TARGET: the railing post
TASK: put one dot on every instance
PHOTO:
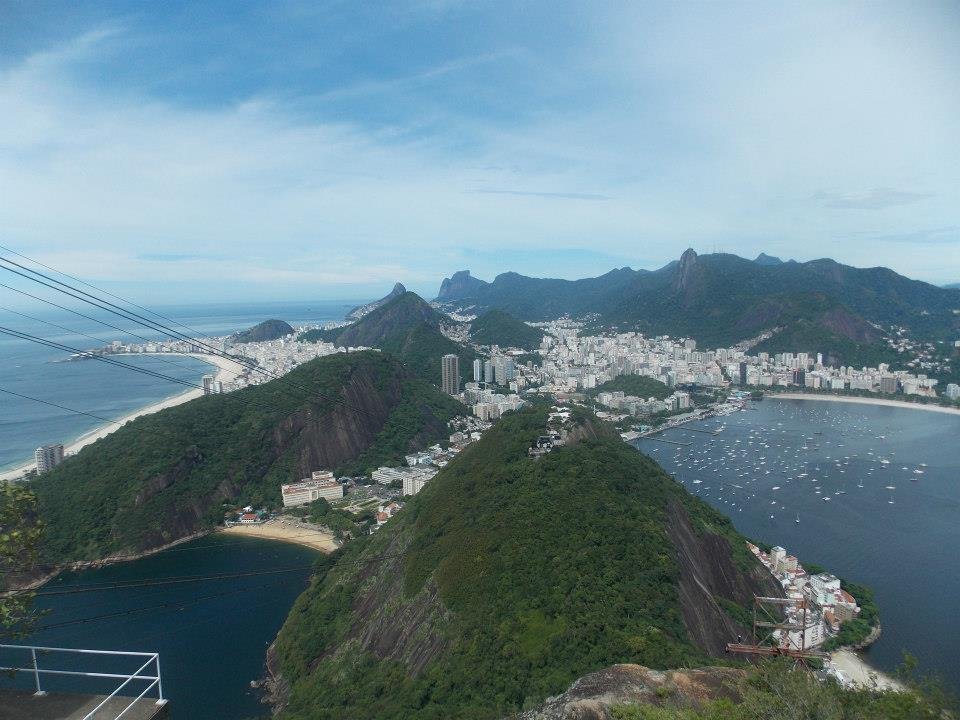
(160, 700)
(36, 672)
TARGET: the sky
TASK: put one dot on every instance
(189, 152)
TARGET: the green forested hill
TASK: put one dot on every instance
(262, 332)
(496, 327)
(166, 475)
(506, 577)
(637, 385)
(406, 327)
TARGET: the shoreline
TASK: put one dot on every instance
(858, 673)
(226, 370)
(882, 402)
(289, 532)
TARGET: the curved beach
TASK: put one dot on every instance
(930, 407)
(285, 531)
(227, 370)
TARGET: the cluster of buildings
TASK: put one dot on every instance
(820, 600)
(574, 363)
(558, 423)
(677, 401)
(803, 370)
(273, 357)
(247, 516)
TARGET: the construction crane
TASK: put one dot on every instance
(768, 623)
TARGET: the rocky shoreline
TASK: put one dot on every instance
(34, 582)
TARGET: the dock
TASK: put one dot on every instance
(698, 430)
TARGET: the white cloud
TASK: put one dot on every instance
(747, 127)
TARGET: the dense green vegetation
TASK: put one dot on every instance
(165, 475)
(776, 691)
(20, 532)
(514, 576)
(637, 385)
(496, 327)
(267, 330)
(408, 328)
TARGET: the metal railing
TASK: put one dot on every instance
(153, 681)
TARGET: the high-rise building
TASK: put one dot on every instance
(888, 384)
(478, 370)
(48, 457)
(953, 391)
(450, 374)
(743, 373)
(488, 371)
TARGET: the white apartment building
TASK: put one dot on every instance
(48, 457)
(321, 484)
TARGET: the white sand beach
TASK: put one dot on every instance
(286, 531)
(865, 401)
(857, 672)
(227, 370)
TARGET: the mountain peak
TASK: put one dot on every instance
(764, 259)
(361, 310)
(459, 285)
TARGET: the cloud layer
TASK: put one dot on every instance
(344, 153)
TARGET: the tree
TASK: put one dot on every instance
(19, 535)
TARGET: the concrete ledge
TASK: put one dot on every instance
(24, 705)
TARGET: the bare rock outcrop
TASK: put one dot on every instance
(593, 696)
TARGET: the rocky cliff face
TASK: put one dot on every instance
(461, 284)
(708, 571)
(594, 696)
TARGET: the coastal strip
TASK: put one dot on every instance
(227, 370)
(865, 401)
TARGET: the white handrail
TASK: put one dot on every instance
(122, 686)
(153, 680)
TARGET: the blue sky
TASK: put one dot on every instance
(234, 151)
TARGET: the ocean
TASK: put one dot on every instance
(877, 495)
(103, 390)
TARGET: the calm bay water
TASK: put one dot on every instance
(101, 389)
(892, 520)
(211, 636)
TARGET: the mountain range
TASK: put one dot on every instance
(722, 299)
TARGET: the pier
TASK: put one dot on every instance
(664, 440)
(697, 430)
